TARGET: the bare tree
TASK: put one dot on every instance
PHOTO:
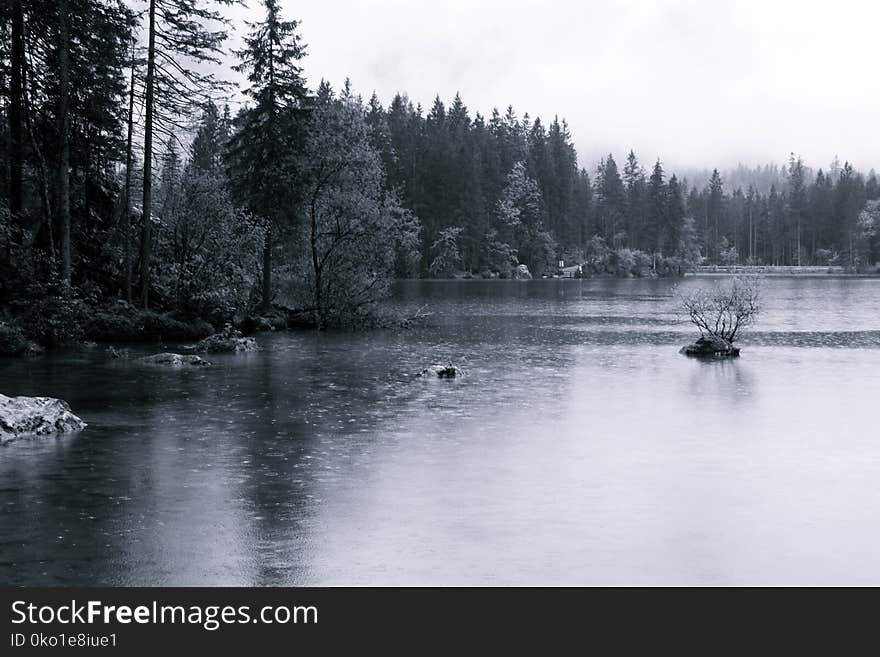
(724, 310)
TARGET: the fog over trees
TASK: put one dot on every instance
(126, 177)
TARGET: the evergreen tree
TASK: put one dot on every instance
(71, 88)
(269, 134)
(657, 202)
(796, 197)
(634, 182)
(673, 215)
(208, 147)
(610, 201)
(522, 215)
(714, 209)
(872, 186)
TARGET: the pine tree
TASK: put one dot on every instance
(269, 134)
(129, 162)
(796, 197)
(558, 185)
(674, 215)
(72, 85)
(872, 186)
(656, 205)
(610, 200)
(634, 181)
(714, 209)
(751, 233)
(208, 147)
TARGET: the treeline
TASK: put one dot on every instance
(134, 203)
(453, 170)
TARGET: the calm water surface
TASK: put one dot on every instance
(580, 448)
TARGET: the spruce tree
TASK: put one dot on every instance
(610, 199)
(714, 209)
(634, 182)
(657, 206)
(673, 215)
(268, 134)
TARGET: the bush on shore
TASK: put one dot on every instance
(13, 341)
(121, 322)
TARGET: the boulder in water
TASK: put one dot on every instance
(710, 346)
(448, 371)
(35, 416)
(175, 360)
(522, 273)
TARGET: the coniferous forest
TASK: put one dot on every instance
(136, 203)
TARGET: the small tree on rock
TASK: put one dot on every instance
(724, 311)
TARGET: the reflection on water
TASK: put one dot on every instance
(579, 448)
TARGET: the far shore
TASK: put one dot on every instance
(810, 271)
(781, 270)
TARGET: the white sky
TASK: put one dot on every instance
(698, 83)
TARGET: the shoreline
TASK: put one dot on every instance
(782, 272)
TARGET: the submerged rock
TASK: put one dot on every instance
(449, 371)
(174, 359)
(35, 416)
(710, 346)
(522, 272)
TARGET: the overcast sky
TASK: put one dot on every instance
(698, 83)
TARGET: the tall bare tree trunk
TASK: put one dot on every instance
(64, 133)
(126, 223)
(267, 245)
(16, 129)
(267, 270)
(148, 161)
(46, 214)
(316, 265)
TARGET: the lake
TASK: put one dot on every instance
(579, 448)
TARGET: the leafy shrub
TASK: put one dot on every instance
(109, 325)
(164, 327)
(122, 323)
(12, 340)
(643, 263)
(622, 262)
(55, 320)
(207, 252)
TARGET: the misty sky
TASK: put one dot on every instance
(698, 83)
